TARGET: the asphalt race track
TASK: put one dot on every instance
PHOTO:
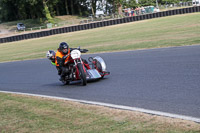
(165, 79)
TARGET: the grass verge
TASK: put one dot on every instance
(30, 23)
(33, 114)
(176, 30)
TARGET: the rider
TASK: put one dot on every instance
(62, 59)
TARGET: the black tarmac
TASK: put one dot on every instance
(165, 79)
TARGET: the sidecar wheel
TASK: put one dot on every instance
(98, 66)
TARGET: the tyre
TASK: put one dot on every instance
(82, 74)
(98, 66)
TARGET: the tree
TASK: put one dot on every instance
(66, 7)
(117, 5)
(46, 11)
(147, 2)
(132, 4)
(72, 7)
(9, 11)
(169, 1)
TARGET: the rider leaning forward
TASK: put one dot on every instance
(61, 59)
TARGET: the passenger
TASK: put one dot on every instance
(51, 56)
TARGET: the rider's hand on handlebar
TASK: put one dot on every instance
(66, 62)
(64, 57)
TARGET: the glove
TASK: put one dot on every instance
(64, 57)
(66, 63)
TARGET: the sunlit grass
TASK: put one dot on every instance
(33, 114)
(176, 30)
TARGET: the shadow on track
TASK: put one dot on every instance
(74, 83)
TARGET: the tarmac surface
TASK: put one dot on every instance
(164, 79)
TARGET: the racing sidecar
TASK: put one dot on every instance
(80, 69)
(97, 69)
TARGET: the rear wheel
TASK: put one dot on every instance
(82, 74)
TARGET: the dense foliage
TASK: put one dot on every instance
(39, 9)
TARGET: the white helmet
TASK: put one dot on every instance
(50, 54)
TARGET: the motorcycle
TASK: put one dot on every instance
(81, 70)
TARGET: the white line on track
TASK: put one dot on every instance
(115, 106)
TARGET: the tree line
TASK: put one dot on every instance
(11, 10)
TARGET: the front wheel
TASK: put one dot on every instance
(82, 74)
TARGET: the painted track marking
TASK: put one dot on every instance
(114, 106)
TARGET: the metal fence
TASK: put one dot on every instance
(98, 24)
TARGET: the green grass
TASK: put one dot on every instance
(39, 22)
(32, 114)
(163, 8)
(29, 23)
(35, 24)
(170, 31)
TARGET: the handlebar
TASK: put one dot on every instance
(81, 50)
(84, 50)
